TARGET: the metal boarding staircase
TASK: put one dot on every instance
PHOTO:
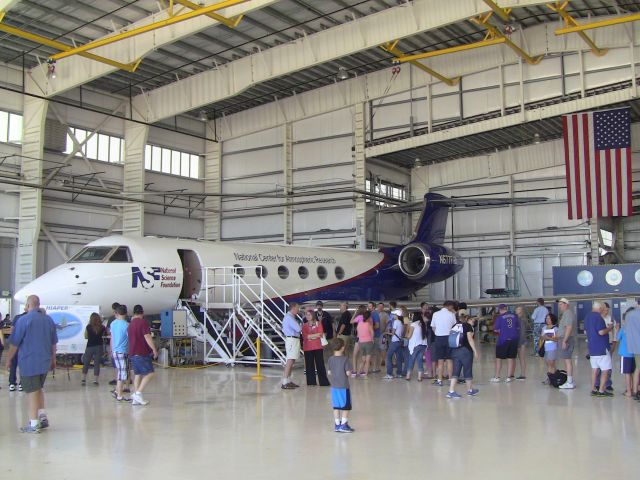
(236, 310)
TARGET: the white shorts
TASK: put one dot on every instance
(603, 362)
(292, 346)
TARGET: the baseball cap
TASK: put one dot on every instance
(501, 306)
(319, 303)
(463, 312)
(397, 312)
(564, 300)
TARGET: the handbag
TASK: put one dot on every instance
(541, 350)
(323, 341)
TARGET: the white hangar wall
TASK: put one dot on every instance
(323, 183)
(515, 246)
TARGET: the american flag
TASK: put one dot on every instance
(597, 153)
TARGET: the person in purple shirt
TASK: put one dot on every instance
(507, 327)
(600, 355)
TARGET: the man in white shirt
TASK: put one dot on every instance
(441, 323)
(539, 316)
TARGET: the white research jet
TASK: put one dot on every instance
(158, 272)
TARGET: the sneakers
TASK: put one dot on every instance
(294, 385)
(123, 399)
(345, 428)
(354, 375)
(521, 377)
(606, 393)
(287, 386)
(388, 377)
(595, 393)
(437, 383)
(495, 380)
(473, 392)
(509, 379)
(19, 387)
(337, 428)
(83, 382)
(43, 422)
(138, 399)
(567, 386)
(453, 395)
(462, 381)
(30, 429)
(113, 382)
(12, 387)
(609, 388)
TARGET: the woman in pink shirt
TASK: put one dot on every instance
(365, 341)
(313, 350)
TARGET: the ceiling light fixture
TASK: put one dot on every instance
(342, 73)
(203, 116)
(536, 138)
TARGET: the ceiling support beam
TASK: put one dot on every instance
(603, 23)
(503, 13)
(147, 28)
(129, 67)
(560, 9)
(392, 48)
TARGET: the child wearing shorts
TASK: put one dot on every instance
(340, 369)
(627, 363)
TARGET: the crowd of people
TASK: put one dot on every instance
(442, 342)
(32, 352)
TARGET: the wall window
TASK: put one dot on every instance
(385, 189)
(10, 127)
(105, 148)
(174, 162)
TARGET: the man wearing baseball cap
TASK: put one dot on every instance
(567, 330)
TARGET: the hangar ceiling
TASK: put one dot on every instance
(76, 22)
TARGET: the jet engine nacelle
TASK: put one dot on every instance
(428, 263)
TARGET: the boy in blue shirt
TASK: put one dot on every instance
(627, 362)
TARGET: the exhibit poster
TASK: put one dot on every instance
(71, 321)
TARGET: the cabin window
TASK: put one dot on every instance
(121, 255)
(283, 272)
(339, 273)
(261, 271)
(322, 273)
(239, 270)
(92, 254)
(303, 272)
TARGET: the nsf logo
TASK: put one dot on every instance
(144, 277)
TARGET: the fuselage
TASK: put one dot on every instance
(157, 272)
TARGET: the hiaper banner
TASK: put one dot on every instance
(71, 322)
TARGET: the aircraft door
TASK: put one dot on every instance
(192, 274)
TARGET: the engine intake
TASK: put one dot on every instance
(414, 260)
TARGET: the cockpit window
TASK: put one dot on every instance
(92, 254)
(121, 255)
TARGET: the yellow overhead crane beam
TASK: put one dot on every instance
(494, 33)
(392, 47)
(602, 23)
(503, 13)
(129, 67)
(560, 9)
(446, 51)
(147, 28)
(229, 22)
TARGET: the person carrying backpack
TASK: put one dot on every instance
(463, 352)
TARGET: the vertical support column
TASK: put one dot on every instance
(595, 241)
(511, 268)
(213, 185)
(522, 93)
(135, 139)
(287, 166)
(632, 63)
(30, 212)
(618, 237)
(502, 97)
(360, 175)
(581, 66)
(429, 109)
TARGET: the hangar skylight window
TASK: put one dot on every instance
(10, 127)
(385, 189)
(106, 148)
(173, 162)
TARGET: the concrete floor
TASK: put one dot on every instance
(218, 423)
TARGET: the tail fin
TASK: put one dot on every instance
(432, 224)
